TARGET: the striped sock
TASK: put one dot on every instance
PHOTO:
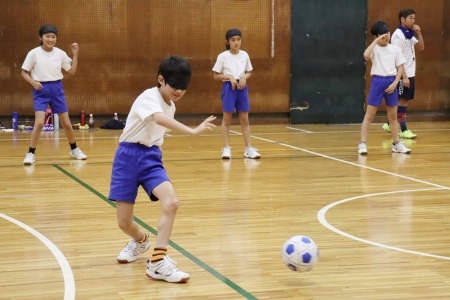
(158, 254)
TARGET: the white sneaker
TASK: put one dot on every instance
(362, 148)
(30, 158)
(132, 250)
(226, 153)
(166, 270)
(251, 152)
(400, 148)
(78, 154)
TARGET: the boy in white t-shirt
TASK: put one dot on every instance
(138, 162)
(404, 37)
(42, 69)
(233, 68)
(387, 68)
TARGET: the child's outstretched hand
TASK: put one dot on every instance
(205, 125)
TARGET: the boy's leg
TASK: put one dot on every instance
(391, 112)
(67, 126)
(226, 123)
(161, 267)
(140, 241)
(397, 146)
(166, 195)
(245, 126)
(75, 152)
(371, 112)
(39, 119)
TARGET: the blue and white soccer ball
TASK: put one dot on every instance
(300, 253)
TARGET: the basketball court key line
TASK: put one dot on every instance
(174, 245)
(69, 282)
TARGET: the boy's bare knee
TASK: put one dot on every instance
(171, 204)
(125, 225)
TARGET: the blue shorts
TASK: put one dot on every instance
(51, 94)
(377, 93)
(234, 100)
(136, 165)
(407, 92)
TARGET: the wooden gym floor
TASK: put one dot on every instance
(381, 221)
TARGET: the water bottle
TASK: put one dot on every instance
(91, 121)
(56, 121)
(48, 117)
(116, 117)
(82, 118)
(15, 121)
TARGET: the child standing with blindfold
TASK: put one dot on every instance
(138, 162)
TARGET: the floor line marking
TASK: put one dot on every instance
(322, 219)
(69, 282)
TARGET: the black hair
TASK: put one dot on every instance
(230, 33)
(176, 72)
(46, 28)
(404, 13)
(378, 28)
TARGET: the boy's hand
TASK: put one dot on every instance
(406, 82)
(416, 28)
(75, 49)
(205, 125)
(384, 38)
(242, 83)
(391, 88)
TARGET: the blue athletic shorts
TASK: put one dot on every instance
(51, 94)
(376, 93)
(136, 165)
(234, 100)
(407, 92)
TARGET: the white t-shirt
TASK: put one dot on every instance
(140, 127)
(47, 66)
(235, 65)
(385, 60)
(407, 47)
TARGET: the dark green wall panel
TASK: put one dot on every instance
(327, 65)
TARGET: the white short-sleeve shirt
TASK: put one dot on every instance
(407, 47)
(140, 127)
(385, 60)
(47, 66)
(235, 65)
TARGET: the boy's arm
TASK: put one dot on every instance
(73, 69)
(173, 124)
(26, 75)
(421, 44)
(391, 88)
(369, 50)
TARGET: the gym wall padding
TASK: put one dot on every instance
(327, 64)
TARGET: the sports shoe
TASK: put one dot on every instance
(251, 152)
(132, 250)
(226, 153)
(407, 134)
(362, 148)
(166, 270)
(386, 127)
(30, 158)
(400, 148)
(78, 154)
